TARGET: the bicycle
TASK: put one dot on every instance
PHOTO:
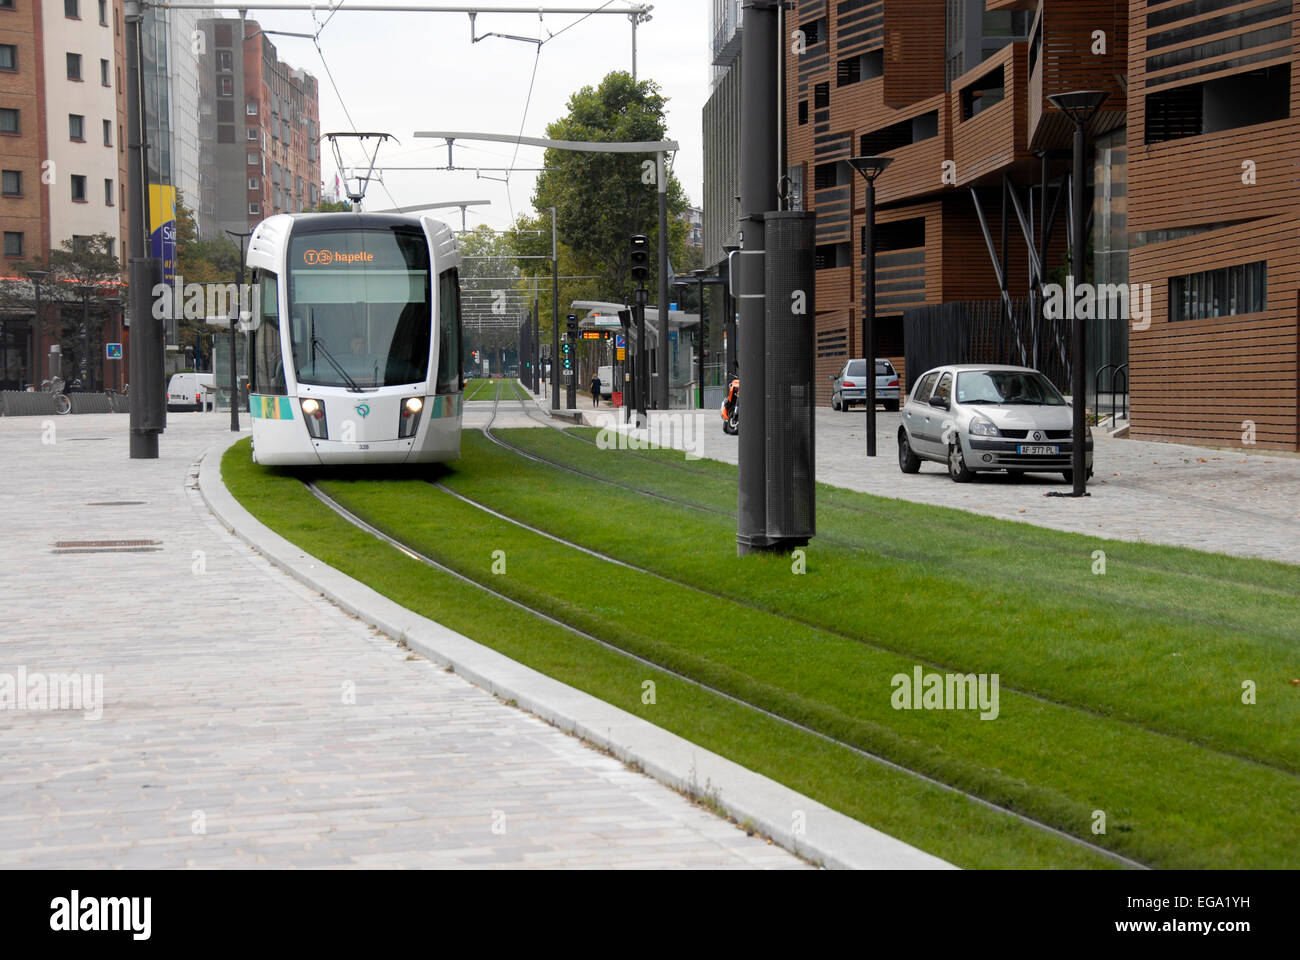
(55, 386)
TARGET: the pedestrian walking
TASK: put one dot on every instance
(595, 390)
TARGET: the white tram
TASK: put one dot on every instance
(355, 353)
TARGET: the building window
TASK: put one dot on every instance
(13, 244)
(983, 93)
(8, 56)
(814, 32)
(254, 183)
(252, 134)
(250, 109)
(103, 13)
(78, 188)
(6, 4)
(254, 208)
(74, 66)
(11, 183)
(1243, 99)
(72, 9)
(227, 86)
(803, 113)
(822, 96)
(108, 193)
(8, 120)
(76, 127)
(108, 133)
(225, 133)
(1219, 293)
(103, 73)
(253, 160)
(225, 61)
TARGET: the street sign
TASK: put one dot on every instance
(622, 354)
(620, 341)
(113, 351)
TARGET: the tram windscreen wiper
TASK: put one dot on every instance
(316, 342)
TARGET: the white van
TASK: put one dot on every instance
(185, 390)
(606, 374)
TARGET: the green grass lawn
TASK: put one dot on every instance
(482, 389)
(1120, 693)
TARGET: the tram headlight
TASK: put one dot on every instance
(409, 421)
(313, 414)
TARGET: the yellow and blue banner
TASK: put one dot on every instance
(162, 226)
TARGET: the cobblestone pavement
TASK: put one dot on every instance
(247, 722)
(1225, 501)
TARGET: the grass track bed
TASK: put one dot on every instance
(1170, 802)
(946, 824)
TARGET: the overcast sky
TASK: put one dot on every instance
(402, 72)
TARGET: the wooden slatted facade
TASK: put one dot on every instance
(1202, 198)
(1210, 93)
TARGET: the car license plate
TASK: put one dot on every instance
(1031, 450)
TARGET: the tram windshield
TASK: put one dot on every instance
(359, 303)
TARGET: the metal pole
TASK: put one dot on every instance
(148, 410)
(35, 373)
(758, 188)
(641, 374)
(635, 20)
(85, 340)
(869, 316)
(699, 353)
(555, 314)
(665, 367)
(1079, 338)
(537, 343)
(234, 351)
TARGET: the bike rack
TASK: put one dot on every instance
(1120, 370)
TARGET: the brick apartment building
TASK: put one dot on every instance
(62, 154)
(1191, 185)
(259, 129)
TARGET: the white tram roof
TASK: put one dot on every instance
(265, 247)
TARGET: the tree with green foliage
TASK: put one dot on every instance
(200, 261)
(602, 199)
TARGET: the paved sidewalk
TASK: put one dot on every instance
(227, 737)
(1225, 501)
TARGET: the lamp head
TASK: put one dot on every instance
(869, 167)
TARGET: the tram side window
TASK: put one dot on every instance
(449, 358)
(268, 367)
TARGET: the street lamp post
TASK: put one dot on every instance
(85, 289)
(1080, 106)
(870, 168)
(33, 372)
(234, 324)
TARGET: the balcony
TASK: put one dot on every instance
(987, 110)
(918, 145)
(726, 40)
(1065, 54)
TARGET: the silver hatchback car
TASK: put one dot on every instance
(976, 418)
(849, 386)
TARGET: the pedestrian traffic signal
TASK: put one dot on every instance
(566, 350)
(640, 258)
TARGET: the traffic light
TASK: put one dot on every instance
(640, 258)
(566, 351)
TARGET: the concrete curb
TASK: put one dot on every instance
(828, 838)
